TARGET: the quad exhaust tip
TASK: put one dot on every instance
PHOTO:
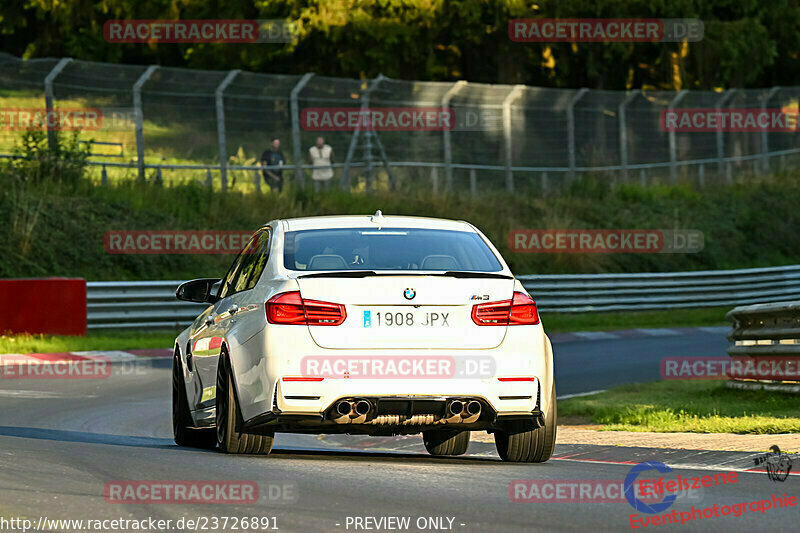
(344, 407)
(455, 407)
(357, 408)
(362, 407)
(464, 408)
(353, 408)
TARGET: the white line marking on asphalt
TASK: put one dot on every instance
(658, 331)
(675, 465)
(112, 355)
(715, 329)
(595, 335)
(35, 394)
(579, 394)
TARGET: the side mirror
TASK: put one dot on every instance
(198, 291)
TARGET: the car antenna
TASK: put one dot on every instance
(377, 218)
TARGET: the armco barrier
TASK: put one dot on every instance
(44, 305)
(765, 330)
(575, 293)
(146, 304)
(137, 304)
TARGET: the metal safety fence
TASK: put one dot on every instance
(770, 332)
(152, 304)
(511, 137)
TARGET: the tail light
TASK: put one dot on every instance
(519, 311)
(291, 308)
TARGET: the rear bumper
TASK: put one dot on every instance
(315, 397)
(269, 422)
(399, 406)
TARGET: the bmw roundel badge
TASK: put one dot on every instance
(409, 294)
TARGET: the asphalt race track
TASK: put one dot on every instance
(62, 440)
(589, 365)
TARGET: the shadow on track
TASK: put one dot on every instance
(482, 453)
(382, 456)
(283, 453)
(84, 436)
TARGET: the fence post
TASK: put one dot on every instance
(257, 181)
(642, 178)
(435, 180)
(223, 153)
(49, 97)
(209, 179)
(764, 132)
(104, 176)
(673, 150)
(720, 138)
(701, 175)
(364, 120)
(448, 154)
(299, 177)
(571, 130)
(623, 134)
(544, 181)
(513, 95)
(139, 117)
(473, 183)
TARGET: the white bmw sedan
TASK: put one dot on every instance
(376, 325)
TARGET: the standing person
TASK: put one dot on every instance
(322, 159)
(273, 177)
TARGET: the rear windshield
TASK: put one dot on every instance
(387, 249)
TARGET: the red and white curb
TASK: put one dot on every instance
(61, 358)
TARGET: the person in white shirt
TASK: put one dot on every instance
(322, 158)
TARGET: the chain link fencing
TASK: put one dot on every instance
(168, 123)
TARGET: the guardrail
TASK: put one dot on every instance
(766, 331)
(137, 304)
(151, 304)
(582, 293)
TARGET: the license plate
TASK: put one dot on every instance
(408, 318)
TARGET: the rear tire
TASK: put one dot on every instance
(517, 444)
(229, 436)
(445, 442)
(182, 424)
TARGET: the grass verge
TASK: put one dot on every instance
(107, 340)
(673, 318)
(687, 406)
